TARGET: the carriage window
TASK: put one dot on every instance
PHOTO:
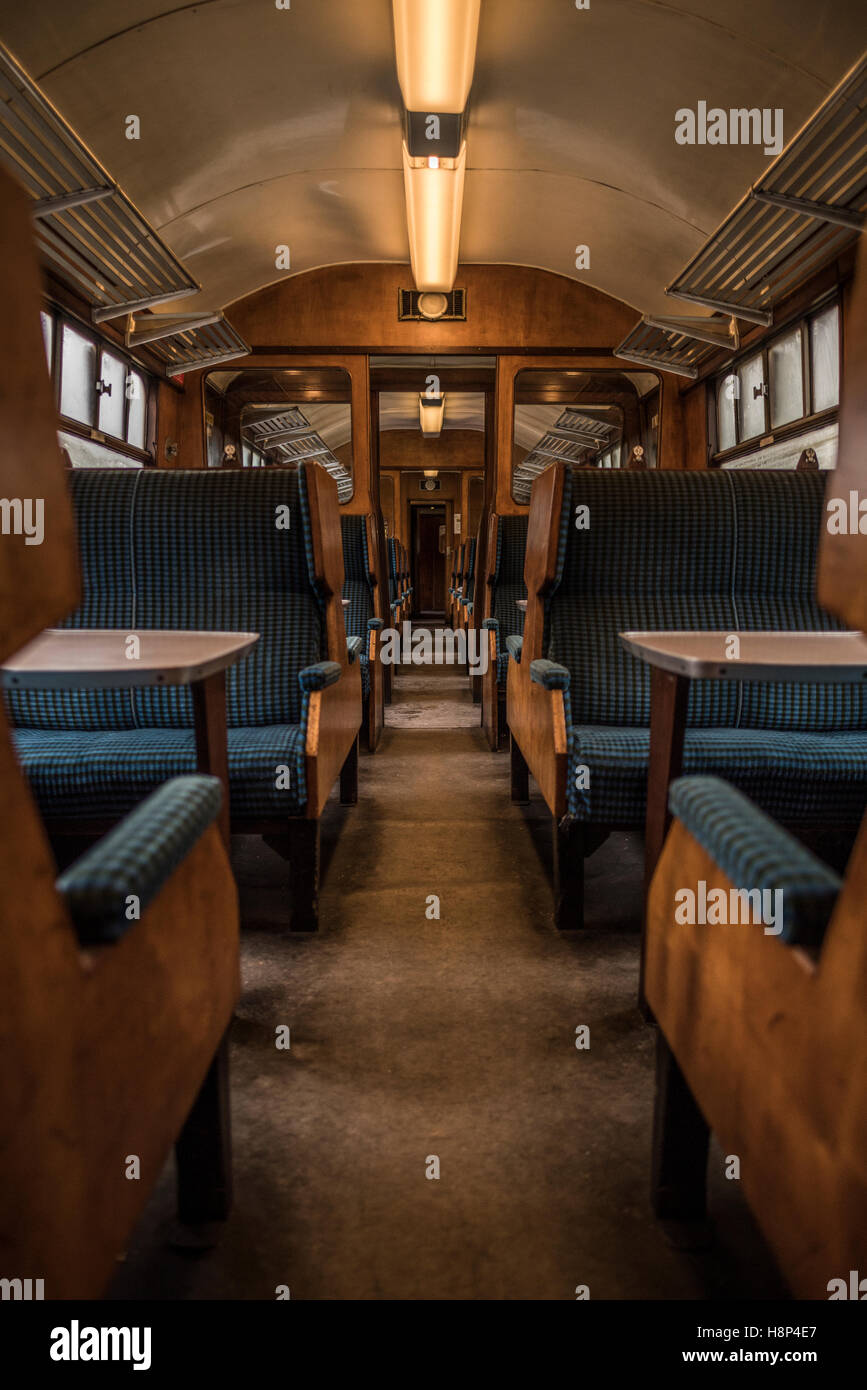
(751, 397)
(101, 396)
(786, 362)
(596, 419)
(77, 376)
(136, 392)
(273, 417)
(47, 336)
(825, 358)
(793, 378)
(726, 408)
(111, 388)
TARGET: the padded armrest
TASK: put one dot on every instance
(354, 646)
(492, 624)
(374, 624)
(319, 676)
(755, 852)
(549, 674)
(137, 857)
(515, 645)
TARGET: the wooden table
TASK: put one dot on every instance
(676, 658)
(108, 659)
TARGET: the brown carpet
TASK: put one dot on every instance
(455, 1038)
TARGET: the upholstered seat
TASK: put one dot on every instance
(107, 775)
(691, 551)
(809, 779)
(185, 550)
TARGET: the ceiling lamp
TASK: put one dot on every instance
(434, 201)
(431, 411)
(435, 42)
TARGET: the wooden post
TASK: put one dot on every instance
(304, 855)
(209, 714)
(204, 1148)
(569, 849)
(681, 1139)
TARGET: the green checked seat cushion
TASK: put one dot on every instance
(225, 550)
(801, 779)
(691, 551)
(106, 774)
(508, 586)
(357, 588)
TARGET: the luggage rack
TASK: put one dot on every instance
(94, 238)
(678, 345)
(294, 438)
(569, 437)
(806, 208)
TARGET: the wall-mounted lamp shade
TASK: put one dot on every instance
(431, 472)
(434, 200)
(431, 412)
(435, 41)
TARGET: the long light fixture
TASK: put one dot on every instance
(434, 203)
(431, 413)
(435, 43)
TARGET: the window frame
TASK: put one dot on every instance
(813, 419)
(60, 319)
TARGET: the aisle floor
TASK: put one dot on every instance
(414, 1037)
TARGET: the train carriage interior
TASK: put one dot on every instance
(433, 576)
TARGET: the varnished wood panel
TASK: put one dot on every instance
(32, 468)
(842, 577)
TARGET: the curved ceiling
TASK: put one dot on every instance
(262, 127)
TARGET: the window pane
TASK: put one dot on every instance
(78, 376)
(47, 335)
(135, 427)
(246, 456)
(726, 396)
(750, 405)
(825, 358)
(787, 380)
(112, 381)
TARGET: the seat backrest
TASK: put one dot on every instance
(356, 582)
(470, 576)
(687, 550)
(207, 549)
(508, 579)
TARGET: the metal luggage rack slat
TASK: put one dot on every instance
(806, 208)
(90, 234)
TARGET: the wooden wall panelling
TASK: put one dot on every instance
(842, 573)
(509, 308)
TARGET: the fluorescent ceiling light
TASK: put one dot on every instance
(435, 41)
(434, 202)
(431, 412)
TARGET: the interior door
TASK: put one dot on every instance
(430, 574)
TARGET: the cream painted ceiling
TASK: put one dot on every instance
(262, 127)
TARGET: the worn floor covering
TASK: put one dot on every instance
(452, 1038)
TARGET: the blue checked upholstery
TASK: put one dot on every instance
(137, 858)
(693, 550)
(754, 852)
(469, 575)
(184, 549)
(395, 592)
(357, 588)
(508, 586)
